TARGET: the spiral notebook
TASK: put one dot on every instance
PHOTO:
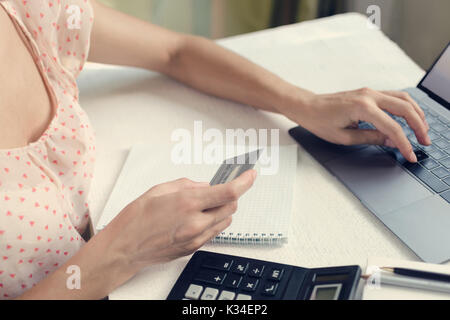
(263, 215)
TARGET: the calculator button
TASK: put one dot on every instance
(243, 297)
(193, 292)
(276, 274)
(240, 268)
(211, 276)
(270, 288)
(233, 281)
(222, 264)
(250, 285)
(210, 294)
(227, 295)
(256, 270)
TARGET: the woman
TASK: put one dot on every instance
(47, 146)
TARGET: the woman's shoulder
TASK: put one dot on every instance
(60, 29)
(37, 15)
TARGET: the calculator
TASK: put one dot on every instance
(214, 276)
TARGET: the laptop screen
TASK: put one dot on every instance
(437, 81)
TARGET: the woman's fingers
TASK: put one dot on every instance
(214, 216)
(405, 96)
(210, 233)
(174, 186)
(201, 222)
(219, 195)
(406, 110)
(385, 124)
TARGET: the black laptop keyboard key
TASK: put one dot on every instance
(421, 155)
(437, 154)
(427, 177)
(446, 162)
(446, 196)
(429, 164)
(442, 144)
(441, 172)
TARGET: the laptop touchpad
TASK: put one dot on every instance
(377, 180)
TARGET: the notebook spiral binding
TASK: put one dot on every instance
(250, 238)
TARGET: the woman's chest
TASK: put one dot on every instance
(25, 104)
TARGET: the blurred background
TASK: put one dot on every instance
(420, 27)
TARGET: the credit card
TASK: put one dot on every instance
(234, 167)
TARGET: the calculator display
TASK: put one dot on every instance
(326, 292)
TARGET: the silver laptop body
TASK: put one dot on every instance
(412, 200)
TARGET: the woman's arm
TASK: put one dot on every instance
(100, 272)
(202, 64)
(120, 39)
(171, 220)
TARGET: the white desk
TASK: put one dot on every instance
(329, 225)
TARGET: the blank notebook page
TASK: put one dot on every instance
(263, 214)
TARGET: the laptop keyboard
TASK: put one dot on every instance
(433, 167)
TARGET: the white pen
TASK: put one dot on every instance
(410, 282)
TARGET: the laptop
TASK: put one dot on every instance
(412, 200)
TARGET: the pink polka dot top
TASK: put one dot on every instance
(44, 186)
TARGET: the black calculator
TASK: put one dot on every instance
(213, 276)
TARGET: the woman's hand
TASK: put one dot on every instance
(173, 220)
(335, 118)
